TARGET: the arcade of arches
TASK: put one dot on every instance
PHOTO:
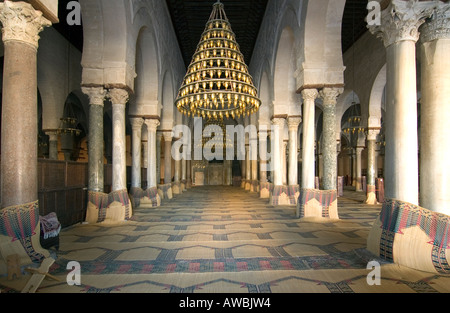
(358, 165)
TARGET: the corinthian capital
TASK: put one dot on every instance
(401, 20)
(21, 22)
(330, 95)
(118, 96)
(152, 124)
(438, 27)
(96, 95)
(310, 94)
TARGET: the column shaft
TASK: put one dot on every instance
(19, 141)
(329, 149)
(308, 149)
(435, 112)
(152, 178)
(167, 158)
(293, 123)
(119, 98)
(136, 178)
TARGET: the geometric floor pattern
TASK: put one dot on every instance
(227, 240)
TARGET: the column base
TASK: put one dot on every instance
(243, 182)
(280, 196)
(108, 208)
(145, 198)
(176, 188)
(264, 190)
(248, 185)
(294, 193)
(165, 191)
(183, 185)
(313, 203)
(411, 236)
(20, 237)
(254, 186)
(371, 195)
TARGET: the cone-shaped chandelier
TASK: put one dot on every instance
(217, 84)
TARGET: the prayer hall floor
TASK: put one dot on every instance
(227, 240)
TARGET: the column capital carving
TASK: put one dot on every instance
(294, 122)
(310, 94)
(118, 96)
(96, 95)
(330, 95)
(152, 125)
(21, 22)
(136, 123)
(279, 121)
(168, 136)
(372, 134)
(438, 27)
(401, 20)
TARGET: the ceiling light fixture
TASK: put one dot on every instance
(218, 84)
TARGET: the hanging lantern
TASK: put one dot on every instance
(218, 75)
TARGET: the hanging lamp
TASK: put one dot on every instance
(218, 84)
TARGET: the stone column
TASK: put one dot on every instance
(52, 145)
(435, 112)
(329, 149)
(248, 168)
(254, 163)
(119, 99)
(277, 140)
(136, 169)
(399, 31)
(308, 149)
(284, 156)
(21, 27)
(167, 157)
(144, 146)
(371, 166)
(158, 157)
(152, 126)
(293, 123)
(264, 186)
(95, 138)
(359, 185)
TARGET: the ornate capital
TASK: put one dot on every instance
(310, 94)
(330, 95)
(293, 123)
(118, 96)
(372, 134)
(96, 95)
(438, 27)
(152, 125)
(401, 20)
(21, 22)
(168, 136)
(136, 123)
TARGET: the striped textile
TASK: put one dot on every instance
(325, 197)
(397, 216)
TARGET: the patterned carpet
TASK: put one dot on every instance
(227, 240)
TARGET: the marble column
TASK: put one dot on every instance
(371, 166)
(359, 186)
(136, 141)
(152, 179)
(293, 123)
(158, 157)
(254, 162)
(119, 99)
(284, 156)
(21, 27)
(308, 149)
(248, 168)
(399, 32)
(435, 112)
(167, 157)
(52, 145)
(277, 140)
(95, 138)
(329, 149)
